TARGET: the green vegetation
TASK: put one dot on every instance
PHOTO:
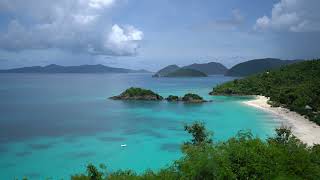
(199, 133)
(241, 157)
(208, 68)
(296, 87)
(187, 98)
(191, 96)
(205, 69)
(186, 73)
(166, 70)
(138, 94)
(172, 98)
(258, 66)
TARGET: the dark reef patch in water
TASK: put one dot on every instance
(70, 139)
(170, 147)
(175, 128)
(80, 155)
(41, 146)
(23, 153)
(112, 139)
(21, 129)
(147, 132)
(7, 165)
(3, 149)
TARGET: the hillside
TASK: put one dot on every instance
(164, 71)
(257, 66)
(53, 68)
(211, 68)
(186, 73)
(295, 86)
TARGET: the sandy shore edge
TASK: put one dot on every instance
(305, 130)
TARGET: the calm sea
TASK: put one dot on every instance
(53, 125)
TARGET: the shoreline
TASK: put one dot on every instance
(304, 129)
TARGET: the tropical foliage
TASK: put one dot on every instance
(295, 86)
(172, 98)
(133, 91)
(182, 72)
(241, 157)
(188, 96)
(256, 66)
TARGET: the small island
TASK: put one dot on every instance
(134, 93)
(192, 98)
(172, 98)
(187, 98)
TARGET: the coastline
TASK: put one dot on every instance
(304, 129)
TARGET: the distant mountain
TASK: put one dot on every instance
(53, 68)
(210, 68)
(141, 71)
(182, 72)
(166, 70)
(257, 66)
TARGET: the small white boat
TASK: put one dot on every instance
(123, 145)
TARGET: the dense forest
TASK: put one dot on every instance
(256, 66)
(182, 72)
(296, 87)
(241, 157)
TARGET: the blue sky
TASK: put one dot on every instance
(151, 34)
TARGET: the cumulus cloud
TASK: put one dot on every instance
(292, 15)
(100, 3)
(124, 40)
(71, 25)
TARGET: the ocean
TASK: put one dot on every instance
(53, 125)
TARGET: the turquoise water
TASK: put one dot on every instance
(52, 125)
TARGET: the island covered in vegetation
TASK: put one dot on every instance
(192, 70)
(134, 93)
(187, 98)
(193, 98)
(256, 66)
(186, 73)
(53, 68)
(241, 157)
(296, 87)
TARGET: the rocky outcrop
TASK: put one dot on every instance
(172, 98)
(138, 94)
(148, 95)
(187, 98)
(192, 98)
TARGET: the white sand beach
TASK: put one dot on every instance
(305, 130)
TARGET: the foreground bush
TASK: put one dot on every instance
(241, 157)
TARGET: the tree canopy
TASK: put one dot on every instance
(296, 87)
(244, 156)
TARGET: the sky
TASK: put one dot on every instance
(150, 34)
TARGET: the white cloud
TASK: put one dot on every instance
(84, 19)
(123, 40)
(71, 25)
(100, 3)
(292, 15)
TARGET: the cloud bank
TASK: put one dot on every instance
(71, 25)
(293, 16)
